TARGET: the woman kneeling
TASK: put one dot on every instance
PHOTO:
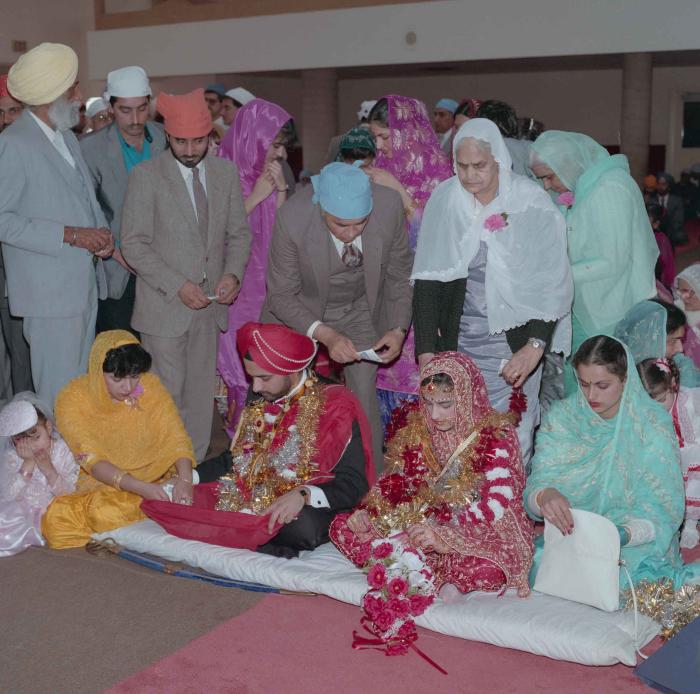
(610, 449)
(452, 487)
(125, 431)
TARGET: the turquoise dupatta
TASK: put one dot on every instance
(624, 468)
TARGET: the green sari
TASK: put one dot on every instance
(624, 468)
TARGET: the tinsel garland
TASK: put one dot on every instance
(262, 481)
(672, 609)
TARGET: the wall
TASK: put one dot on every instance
(445, 30)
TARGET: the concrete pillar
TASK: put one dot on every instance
(319, 112)
(635, 125)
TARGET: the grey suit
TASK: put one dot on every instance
(103, 155)
(161, 240)
(52, 285)
(304, 283)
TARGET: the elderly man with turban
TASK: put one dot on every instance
(184, 231)
(111, 154)
(51, 225)
(339, 271)
(301, 454)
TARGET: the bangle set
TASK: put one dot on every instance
(116, 480)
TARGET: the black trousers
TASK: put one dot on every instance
(308, 531)
(115, 314)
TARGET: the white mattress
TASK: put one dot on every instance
(539, 624)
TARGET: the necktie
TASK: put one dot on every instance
(200, 202)
(351, 256)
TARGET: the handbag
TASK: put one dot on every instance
(584, 566)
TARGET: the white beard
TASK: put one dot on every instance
(64, 114)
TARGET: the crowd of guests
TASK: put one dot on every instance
(448, 334)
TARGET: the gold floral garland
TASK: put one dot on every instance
(460, 490)
(261, 478)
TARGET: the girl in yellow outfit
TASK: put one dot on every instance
(125, 431)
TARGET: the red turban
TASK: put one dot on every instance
(185, 115)
(3, 87)
(275, 348)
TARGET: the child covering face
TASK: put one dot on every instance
(35, 466)
(661, 378)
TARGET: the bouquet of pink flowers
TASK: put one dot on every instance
(401, 587)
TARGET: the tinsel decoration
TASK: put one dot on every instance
(672, 609)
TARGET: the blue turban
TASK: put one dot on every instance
(217, 89)
(448, 104)
(343, 190)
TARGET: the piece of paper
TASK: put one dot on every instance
(369, 355)
(503, 365)
(213, 297)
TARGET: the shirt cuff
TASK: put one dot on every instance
(310, 333)
(317, 497)
(641, 531)
(532, 503)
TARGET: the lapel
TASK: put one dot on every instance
(372, 260)
(319, 249)
(216, 192)
(114, 153)
(81, 171)
(178, 189)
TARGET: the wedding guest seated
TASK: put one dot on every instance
(610, 449)
(35, 466)
(302, 452)
(661, 380)
(452, 486)
(125, 431)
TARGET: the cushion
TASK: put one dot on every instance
(539, 624)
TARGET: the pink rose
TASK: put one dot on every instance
(382, 551)
(384, 620)
(397, 649)
(407, 630)
(566, 199)
(419, 604)
(399, 608)
(376, 576)
(372, 606)
(496, 222)
(397, 586)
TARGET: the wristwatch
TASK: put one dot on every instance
(536, 343)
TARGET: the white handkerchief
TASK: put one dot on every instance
(369, 355)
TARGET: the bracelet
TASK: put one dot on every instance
(116, 480)
(183, 480)
(283, 190)
(537, 498)
(411, 207)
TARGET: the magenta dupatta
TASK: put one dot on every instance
(246, 144)
(418, 162)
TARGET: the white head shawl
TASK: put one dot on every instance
(528, 275)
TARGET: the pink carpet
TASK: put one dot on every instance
(301, 645)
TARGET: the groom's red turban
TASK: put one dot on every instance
(275, 348)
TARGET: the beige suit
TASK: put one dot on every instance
(305, 280)
(161, 240)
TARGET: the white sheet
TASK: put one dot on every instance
(539, 624)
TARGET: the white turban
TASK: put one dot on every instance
(94, 105)
(127, 82)
(242, 96)
(43, 74)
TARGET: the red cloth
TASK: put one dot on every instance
(203, 523)
(275, 348)
(230, 529)
(185, 115)
(3, 87)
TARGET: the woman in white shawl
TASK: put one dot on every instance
(492, 276)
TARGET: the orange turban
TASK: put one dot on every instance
(650, 181)
(185, 115)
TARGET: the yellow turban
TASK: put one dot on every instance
(43, 74)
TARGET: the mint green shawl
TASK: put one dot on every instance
(611, 244)
(624, 468)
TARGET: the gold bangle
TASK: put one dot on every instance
(411, 207)
(183, 480)
(116, 480)
(537, 498)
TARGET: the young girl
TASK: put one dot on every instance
(661, 378)
(35, 466)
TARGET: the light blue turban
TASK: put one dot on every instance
(448, 104)
(343, 190)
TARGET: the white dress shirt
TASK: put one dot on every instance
(56, 139)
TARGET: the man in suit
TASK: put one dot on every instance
(338, 271)
(111, 153)
(184, 231)
(51, 225)
(674, 214)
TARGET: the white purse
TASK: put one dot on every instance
(584, 566)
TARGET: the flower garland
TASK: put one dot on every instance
(272, 450)
(401, 587)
